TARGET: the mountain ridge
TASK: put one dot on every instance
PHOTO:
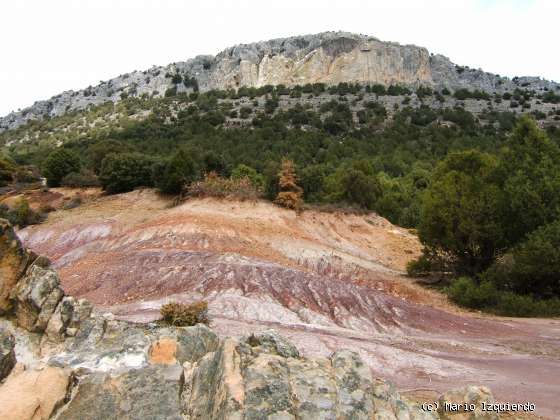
(327, 57)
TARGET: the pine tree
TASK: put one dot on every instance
(290, 195)
(530, 165)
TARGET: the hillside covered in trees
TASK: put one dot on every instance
(479, 182)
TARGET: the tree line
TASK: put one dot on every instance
(483, 198)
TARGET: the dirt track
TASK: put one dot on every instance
(325, 280)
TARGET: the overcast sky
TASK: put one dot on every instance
(49, 46)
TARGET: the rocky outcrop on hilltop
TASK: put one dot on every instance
(329, 57)
(72, 363)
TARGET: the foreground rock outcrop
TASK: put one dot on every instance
(329, 57)
(73, 363)
(34, 394)
(7, 353)
(14, 261)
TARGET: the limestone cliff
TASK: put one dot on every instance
(329, 57)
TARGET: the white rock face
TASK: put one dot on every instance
(329, 57)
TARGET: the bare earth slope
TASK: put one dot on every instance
(327, 281)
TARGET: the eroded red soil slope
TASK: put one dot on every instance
(325, 280)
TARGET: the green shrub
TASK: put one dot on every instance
(97, 152)
(183, 315)
(83, 179)
(179, 171)
(270, 105)
(459, 215)
(214, 162)
(420, 267)
(21, 214)
(244, 112)
(459, 116)
(378, 89)
(214, 118)
(465, 292)
(539, 115)
(58, 164)
(190, 82)
(244, 171)
(462, 94)
(26, 175)
(361, 189)
(126, 171)
(396, 90)
(311, 180)
(551, 97)
(172, 91)
(375, 112)
(534, 266)
(340, 119)
(530, 166)
(354, 183)
(176, 78)
(424, 91)
(7, 171)
(295, 93)
(511, 304)
(420, 116)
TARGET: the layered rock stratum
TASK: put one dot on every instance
(325, 281)
(329, 57)
(72, 363)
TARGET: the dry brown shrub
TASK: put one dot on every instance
(184, 315)
(289, 199)
(290, 195)
(215, 186)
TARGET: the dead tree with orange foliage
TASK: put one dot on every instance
(290, 195)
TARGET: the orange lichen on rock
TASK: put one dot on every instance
(163, 352)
